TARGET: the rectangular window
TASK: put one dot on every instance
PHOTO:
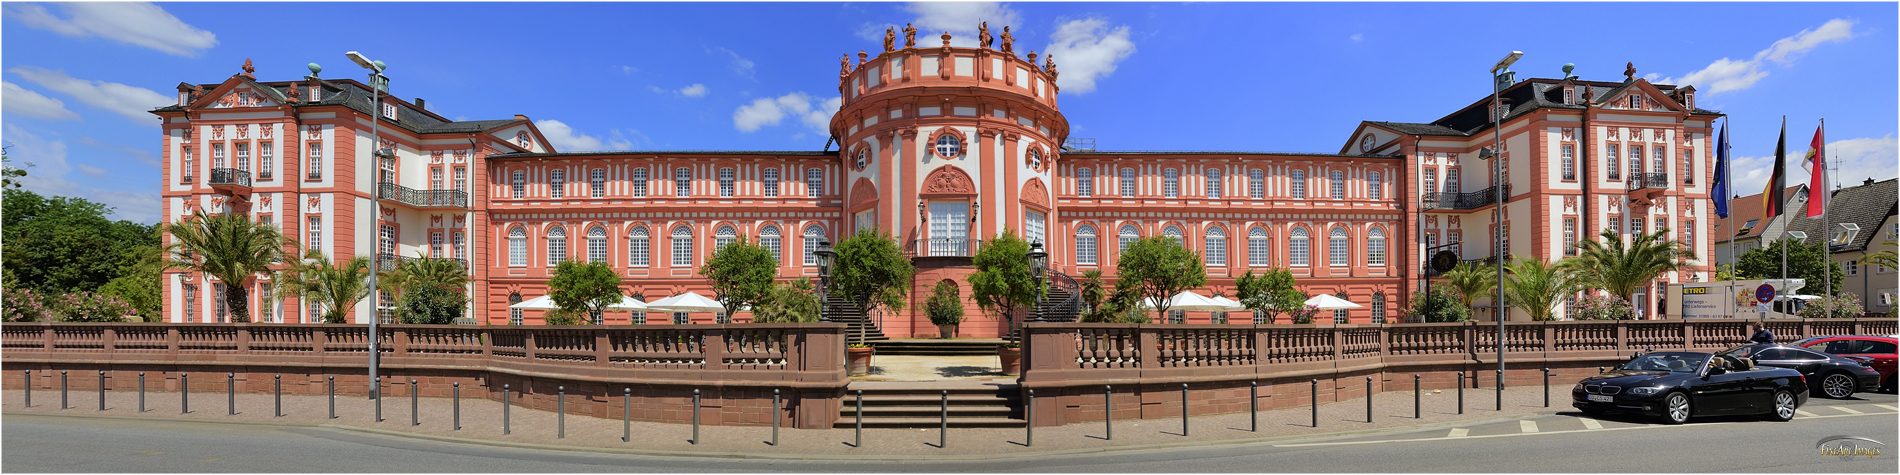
(1299, 184)
(514, 316)
(557, 184)
(1851, 266)
(265, 166)
(640, 182)
(1431, 181)
(1453, 176)
(518, 183)
(435, 245)
(1378, 308)
(1257, 251)
(1611, 162)
(1375, 189)
(460, 244)
(1569, 162)
(814, 182)
(1171, 183)
(1084, 182)
(596, 248)
(864, 220)
(1375, 250)
(725, 182)
(1033, 227)
(1570, 236)
(1637, 228)
(557, 248)
(1300, 252)
(1616, 224)
(461, 179)
(435, 178)
(217, 302)
(518, 250)
(1636, 160)
(190, 164)
(1128, 182)
(315, 158)
(1688, 234)
(217, 155)
(387, 245)
(244, 156)
(314, 233)
(264, 312)
(1085, 249)
(1256, 186)
(771, 182)
(1213, 184)
(1336, 250)
(1658, 161)
(1688, 167)
(1338, 185)
(683, 181)
(637, 248)
(1215, 251)
(315, 314)
(597, 183)
(1507, 240)
(682, 250)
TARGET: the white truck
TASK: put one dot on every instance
(1726, 299)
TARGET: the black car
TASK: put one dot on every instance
(1676, 385)
(1834, 376)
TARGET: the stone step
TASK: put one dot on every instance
(931, 422)
(931, 411)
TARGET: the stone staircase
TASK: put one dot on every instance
(937, 347)
(856, 324)
(919, 404)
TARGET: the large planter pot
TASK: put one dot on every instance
(857, 361)
(947, 331)
(1011, 359)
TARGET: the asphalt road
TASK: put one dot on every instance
(1563, 442)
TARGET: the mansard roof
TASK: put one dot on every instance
(1077, 153)
(728, 153)
(357, 96)
(1524, 97)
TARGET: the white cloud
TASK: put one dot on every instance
(960, 19)
(566, 139)
(142, 155)
(91, 170)
(771, 111)
(628, 70)
(655, 89)
(19, 100)
(1357, 37)
(695, 90)
(138, 24)
(48, 177)
(632, 139)
(130, 101)
(739, 65)
(1085, 50)
(1726, 74)
(1853, 160)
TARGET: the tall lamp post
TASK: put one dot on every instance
(1038, 268)
(825, 255)
(1498, 76)
(378, 154)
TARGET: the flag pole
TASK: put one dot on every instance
(1827, 230)
(1728, 183)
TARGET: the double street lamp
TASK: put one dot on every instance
(379, 154)
(1499, 74)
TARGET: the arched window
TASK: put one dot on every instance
(725, 235)
(597, 183)
(1374, 189)
(769, 237)
(1213, 183)
(813, 234)
(1338, 185)
(948, 146)
(1128, 182)
(1085, 245)
(1301, 248)
(517, 247)
(1171, 183)
(638, 244)
(557, 184)
(770, 178)
(1339, 316)
(682, 247)
(1085, 182)
(597, 244)
(640, 182)
(1257, 249)
(1298, 181)
(1128, 235)
(1375, 247)
(1173, 231)
(1215, 247)
(1378, 307)
(1336, 248)
(1256, 184)
(557, 245)
(514, 314)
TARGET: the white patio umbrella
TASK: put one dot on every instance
(686, 302)
(1329, 302)
(1193, 302)
(627, 304)
(1232, 306)
(537, 303)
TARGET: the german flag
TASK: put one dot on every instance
(1772, 201)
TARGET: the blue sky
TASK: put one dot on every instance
(1135, 76)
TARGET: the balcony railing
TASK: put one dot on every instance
(1472, 200)
(1481, 262)
(944, 247)
(422, 198)
(1641, 181)
(229, 177)
(389, 262)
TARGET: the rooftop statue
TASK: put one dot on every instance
(910, 36)
(983, 34)
(1007, 40)
(844, 66)
(890, 39)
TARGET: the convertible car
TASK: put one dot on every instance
(1677, 385)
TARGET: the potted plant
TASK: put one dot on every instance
(945, 308)
(1011, 356)
(857, 359)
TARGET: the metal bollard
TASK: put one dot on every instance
(278, 390)
(504, 409)
(102, 390)
(1184, 409)
(1029, 412)
(455, 393)
(1461, 392)
(414, 420)
(1546, 387)
(184, 393)
(943, 421)
(375, 393)
(775, 406)
(1500, 397)
(1108, 412)
(695, 417)
(141, 391)
(560, 414)
(62, 390)
(859, 441)
(29, 388)
(1253, 407)
(1315, 398)
(230, 394)
(332, 387)
(626, 415)
(1416, 391)
(1368, 399)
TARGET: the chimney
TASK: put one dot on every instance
(419, 104)
(520, 117)
(1869, 181)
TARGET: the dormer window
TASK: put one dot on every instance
(389, 111)
(1845, 234)
(1570, 95)
(183, 98)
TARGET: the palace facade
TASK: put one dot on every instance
(942, 147)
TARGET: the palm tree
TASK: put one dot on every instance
(1887, 258)
(1472, 281)
(338, 288)
(1537, 286)
(1621, 268)
(419, 272)
(230, 247)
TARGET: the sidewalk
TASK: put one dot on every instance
(481, 423)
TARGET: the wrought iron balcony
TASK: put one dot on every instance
(389, 262)
(1472, 200)
(229, 178)
(422, 198)
(944, 247)
(1648, 181)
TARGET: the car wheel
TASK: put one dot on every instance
(1784, 406)
(1676, 408)
(1837, 385)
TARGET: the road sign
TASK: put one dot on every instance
(1765, 293)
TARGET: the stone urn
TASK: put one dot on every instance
(857, 361)
(1011, 359)
(947, 331)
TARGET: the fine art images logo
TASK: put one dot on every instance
(1847, 447)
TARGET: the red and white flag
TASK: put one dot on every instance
(1816, 165)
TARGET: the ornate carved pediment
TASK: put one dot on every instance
(948, 181)
(1569, 134)
(863, 192)
(389, 213)
(1570, 204)
(265, 200)
(1034, 193)
(314, 202)
(1453, 221)
(435, 220)
(435, 157)
(315, 131)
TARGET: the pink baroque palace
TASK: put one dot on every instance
(942, 147)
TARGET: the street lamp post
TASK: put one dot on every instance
(825, 256)
(1038, 268)
(1497, 170)
(377, 154)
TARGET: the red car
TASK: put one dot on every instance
(1878, 350)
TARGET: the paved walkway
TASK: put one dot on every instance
(934, 368)
(481, 421)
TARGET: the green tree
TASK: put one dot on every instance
(432, 304)
(795, 301)
(945, 305)
(1887, 258)
(1094, 289)
(584, 288)
(741, 274)
(139, 286)
(230, 247)
(1537, 286)
(1804, 262)
(1621, 268)
(335, 286)
(1268, 295)
(421, 271)
(871, 271)
(1156, 268)
(9, 175)
(1440, 306)
(62, 244)
(1472, 281)
(1002, 283)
